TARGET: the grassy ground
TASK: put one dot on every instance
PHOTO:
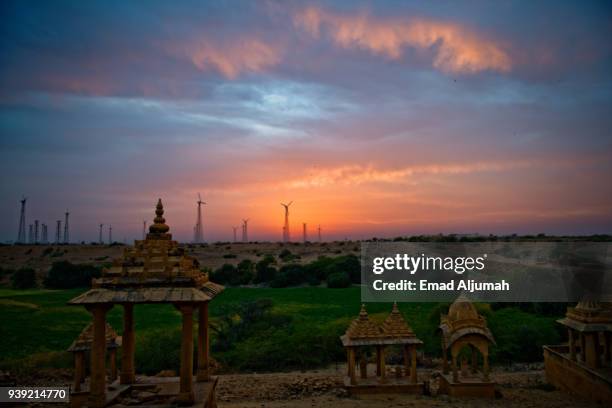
(39, 321)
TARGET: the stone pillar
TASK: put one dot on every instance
(607, 352)
(454, 366)
(97, 387)
(363, 365)
(79, 368)
(186, 395)
(203, 373)
(378, 361)
(383, 368)
(128, 373)
(348, 361)
(572, 344)
(485, 367)
(444, 360)
(413, 368)
(351, 365)
(113, 364)
(582, 348)
(406, 359)
(591, 353)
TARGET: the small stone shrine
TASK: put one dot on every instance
(583, 366)
(363, 336)
(464, 328)
(154, 270)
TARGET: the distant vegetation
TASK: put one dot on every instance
(337, 272)
(24, 278)
(65, 275)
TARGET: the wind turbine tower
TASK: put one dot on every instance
(319, 232)
(21, 235)
(304, 233)
(100, 237)
(235, 238)
(58, 231)
(31, 234)
(110, 234)
(66, 228)
(286, 236)
(36, 231)
(198, 238)
(245, 230)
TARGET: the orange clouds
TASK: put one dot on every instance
(357, 174)
(456, 49)
(235, 57)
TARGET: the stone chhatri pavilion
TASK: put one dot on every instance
(155, 270)
(363, 334)
(462, 327)
(82, 344)
(584, 365)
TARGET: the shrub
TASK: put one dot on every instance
(24, 278)
(286, 256)
(264, 271)
(338, 280)
(289, 275)
(229, 256)
(66, 275)
(246, 272)
(225, 275)
(323, 267)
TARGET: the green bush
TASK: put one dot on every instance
(227, 274)
(520, 336)
(24, 278)
(264, 271)
(338, 280)
(66, 275)
(286, 256)
(323, 267)
(246, 272)
(289, 275)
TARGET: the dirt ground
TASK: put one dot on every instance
(518, 387)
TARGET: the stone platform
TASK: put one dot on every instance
(467, 387)
(575, 377)
(390, 386)
(151, 392)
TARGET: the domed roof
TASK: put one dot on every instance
(462, 320)
(462, 309)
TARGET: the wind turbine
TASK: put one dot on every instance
(245, 232)
(198, 238)
(235, 228)
(286, 236)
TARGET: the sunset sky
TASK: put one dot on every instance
(376, 119)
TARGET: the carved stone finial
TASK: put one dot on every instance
(159, 223)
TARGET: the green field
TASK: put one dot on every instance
(300, 330)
